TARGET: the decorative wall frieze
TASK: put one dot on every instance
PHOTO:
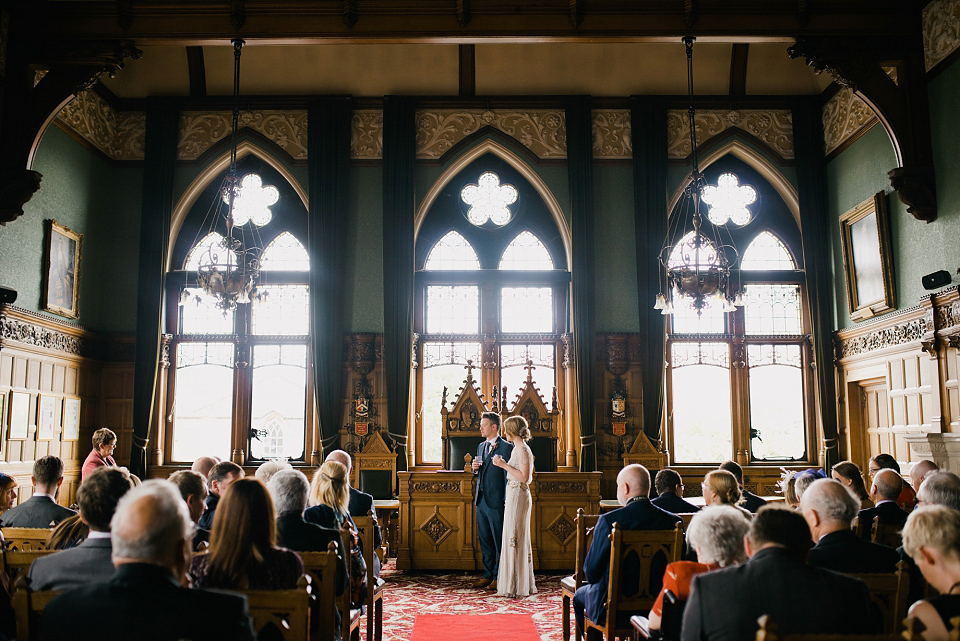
(891, 336)
(366, 134)
(438, 486)
(119, 135)
(542, 131)
(612, 134)
(941, 31)
(844, 116)
(28, 328)
(201, 130)
(561, 487)
(773, 127)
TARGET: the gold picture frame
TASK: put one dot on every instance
(70, 420)
(61, 286)
(868, 258)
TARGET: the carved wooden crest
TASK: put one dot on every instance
(643, 452)
(529, 405)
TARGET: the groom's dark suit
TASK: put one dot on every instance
(489, 496)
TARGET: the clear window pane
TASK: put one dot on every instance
(513, 370)
(210, 250)
(452, 252)
(285, 253)
(203, 401)
(453, 309)
(701, 402)
(444, 365)
(526, 252)
(767, 252)
(685, 319)
(526, 309)
(279, 401)
(772, 309)
(199, 314)
(281, 310)
(776, 402)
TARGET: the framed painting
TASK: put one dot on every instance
(71, 418)
(867, 258)
(46, 417)
(19, 425)
(62, 275)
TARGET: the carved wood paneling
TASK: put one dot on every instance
(941, 31)
(844, 116)
(773, 127)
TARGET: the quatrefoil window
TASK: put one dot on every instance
(252, 201)
(489, 200)
(728, 200)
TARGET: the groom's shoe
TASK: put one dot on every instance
(493, 585)
(482, 583)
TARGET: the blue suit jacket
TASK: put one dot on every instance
(638, 515)
(492, 480)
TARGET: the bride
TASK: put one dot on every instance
(516, 554)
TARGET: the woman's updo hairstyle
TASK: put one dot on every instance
(724, 485)
(517, 426)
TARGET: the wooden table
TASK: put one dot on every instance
(388, 512)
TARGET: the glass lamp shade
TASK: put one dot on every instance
(228, 286)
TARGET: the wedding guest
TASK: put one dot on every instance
(907, 498)
(41, 509)
(919, 471)
(8, 492)
(931, 537)
(193, 489)
(720, 487)
(751, 502)
(220, 477)
(266, 470)
(104, 443)
(204, 464)
(669, 487)
(849, 475)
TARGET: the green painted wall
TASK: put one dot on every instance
(615, 251)
(100, 201)
(918, 248)
(363, 299)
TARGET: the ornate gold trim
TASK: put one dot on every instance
(774, 127)
(119, 135)
(844, 116)
(941, 31)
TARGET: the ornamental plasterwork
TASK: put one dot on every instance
(12, 329)
(941, 31)
(366, 134)
(843, 116)
(887, 337)
(201, 130)
(612, 134)
(948, 315)
(774, 127)
(542, 131)
(119, 135)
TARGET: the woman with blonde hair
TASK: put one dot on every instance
(329, 496)
(931, 536)
(720, 487)
(515, 578)
(848, 474)
(243, 544)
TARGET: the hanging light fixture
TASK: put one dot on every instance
(695, 262)
(227, 271)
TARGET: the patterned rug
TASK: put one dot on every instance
(502, 627)
(409, 594)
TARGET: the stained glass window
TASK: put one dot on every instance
(203, 404)
(285, 253)
(526, 252)
(211, 250)
(728, 200)
(281, 310)
(776, 402)
(526, 309)
(489, 200)
(200, 315)
(766, 252)
(685, 319)
(278, 400)
(701, 402)
(444, 366)
(513, 369)
(453, 309)
(772, 309)
(452, 252)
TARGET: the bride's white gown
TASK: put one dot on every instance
(516, 554)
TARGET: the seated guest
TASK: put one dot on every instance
(360, 504)
(104, 443)
(907, 499)
(193, 489)
(788, 483)
(716, 533)
(151, 531)
(919, 471)
(98, 496)
(289, 490)
(720, 487)
(220, 477)
(266, 471)
(829, 509)
(801, 599)
(41, 509)
(940, 488)
(329, 496)
(848, 473)
(204, 464)
(8, 492)
(243, 545)
(670, 493)
(805, 479)
(637, 513)
(884, 492)
(69, 533)
(751, 502)
(931, 537)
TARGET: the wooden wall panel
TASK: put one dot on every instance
(951, 387)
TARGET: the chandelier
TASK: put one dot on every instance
(695, 261)
(227, 270)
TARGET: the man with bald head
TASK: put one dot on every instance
(203, 465)
(151, 531)
(887, 485)
(919, 471)
(829, 508)
(637, 513)
(361, 503)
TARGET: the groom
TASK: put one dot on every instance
(489, 496)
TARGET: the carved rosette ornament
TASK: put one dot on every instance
(562, 528)
(436, 529)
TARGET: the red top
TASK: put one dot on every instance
(677, 579)
(94, 460)
(907, 499)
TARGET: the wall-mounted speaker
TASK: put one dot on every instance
(7, 295)
(936, 279)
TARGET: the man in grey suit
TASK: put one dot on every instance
(41, 509)
(90, 561)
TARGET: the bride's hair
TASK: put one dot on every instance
(517, 426)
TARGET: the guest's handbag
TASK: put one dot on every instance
(358, 572)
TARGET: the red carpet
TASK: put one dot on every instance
(502, 627)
